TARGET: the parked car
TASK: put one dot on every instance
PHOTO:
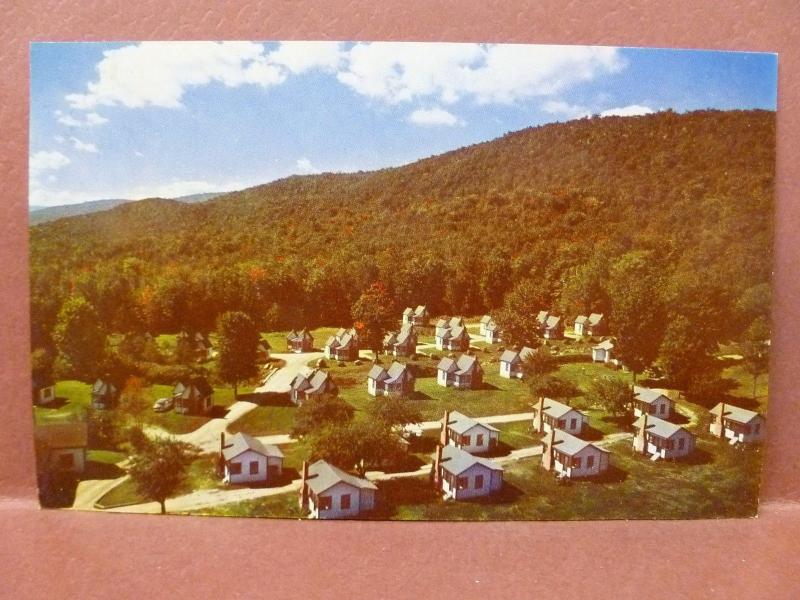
(163, 404)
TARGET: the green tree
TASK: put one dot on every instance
(517, 316)
(552, 386)
(613, 395)
(374, 314)
(637, 311)
(358, 444)
(320, 411)
(238, 348)
(755, 350)
(133, 401)
(103, 428)
(80, 341)
(394, 412)
(42, 365)
(160, 468)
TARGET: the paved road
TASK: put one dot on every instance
(282, 378)
(91, 490)
(201, 499)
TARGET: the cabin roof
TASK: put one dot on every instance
(648, 395)
(734, 413)
(571, 445)
(323, 476)
(661, 428)
(456, 461)
(461, 423)
(241, 442)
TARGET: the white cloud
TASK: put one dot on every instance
(91, 119)
(632, 110)
(159, 73)
(299, 57)
(432, 117)
(566, 110)
(60, 139)
(497, 73)
(305, 167)
(46, 161)
(83, 146)
(137, 153)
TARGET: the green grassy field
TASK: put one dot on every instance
(265, 420)
(277, 339)
(282, 506)
(72, 398)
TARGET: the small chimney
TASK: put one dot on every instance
(644, 432)
(445, 422)
(538, 418)
(304, 485)
(437, 461)
(551, 442)
(221, 441)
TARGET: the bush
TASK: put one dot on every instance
(322, 363)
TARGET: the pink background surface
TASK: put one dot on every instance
(63, 554)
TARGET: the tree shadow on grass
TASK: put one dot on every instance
(218, 412)
(396, 492)
(99, 470)
(487, 386)
(622, 422)
(697, 457)
(54, 404)
(507, 494)
(501, 449)
(678, 418)
(591, 434)
(407, 464)
(419, 396)
(267, 398)
(423, 444)
(611, 475)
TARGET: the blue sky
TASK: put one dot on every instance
(128, 120)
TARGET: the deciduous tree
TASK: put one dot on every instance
(159, 468)
(238, 348)
(80, 341)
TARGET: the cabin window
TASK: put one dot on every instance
(662, 408)
(576, 462)
(561, 423)
(345, 501)
(478, 482)
(573, 423)
(462, 483)
(325, 502)
(479, 440)
(681, 443)
(253, 467)
(757, 428)
(235, 468)
(466, 440)
(589, 462)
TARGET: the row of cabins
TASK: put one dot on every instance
(403, 342)
(458, 473)
(451, 334)
(342, 346)
(416, 316)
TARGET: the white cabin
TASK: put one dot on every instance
(572, 457)
(511, 362)
(460, 475)
(550, 414)
(661, 439)
(470, 435)
(653, 402)
(247, 460)
(737, 425)
(330, 493)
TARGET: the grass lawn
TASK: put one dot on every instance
(265, 420)
(518, 435)
(200, 476)
(281, 506)
(176, 423)
(277, 339)
(106, 457)
(72, 398)
(744, 386)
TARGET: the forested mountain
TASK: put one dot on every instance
(44, 214)
(554, 207)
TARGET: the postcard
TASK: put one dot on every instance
(400, 280)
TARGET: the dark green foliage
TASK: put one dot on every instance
(238, 347)
(319, 412)
(80, 341)
(394, 411)
(374, 314)
(361, 444)
(557, 207)
(159, 468)
(755, 350)
(613, 395)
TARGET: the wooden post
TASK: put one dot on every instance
(538, 418)
(445, 421)
(644, 432)
(437, 461)
(304, 486)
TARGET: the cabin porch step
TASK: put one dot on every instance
(655, 457)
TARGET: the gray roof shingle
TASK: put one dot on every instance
(323, 476)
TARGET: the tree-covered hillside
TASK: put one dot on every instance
(564, 210)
